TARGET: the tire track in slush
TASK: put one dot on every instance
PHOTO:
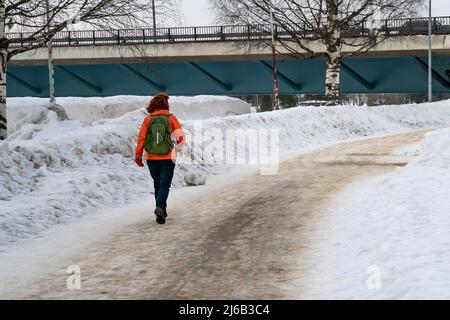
(248, 239)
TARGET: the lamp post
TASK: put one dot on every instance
(276, 96)
(51, 66)
(430, 55)
(154, 19)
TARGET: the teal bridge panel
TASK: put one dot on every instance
(359, 75)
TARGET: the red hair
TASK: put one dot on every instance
(159, 102)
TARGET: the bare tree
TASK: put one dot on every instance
(41, 22)
(164, 13)
(332, 23)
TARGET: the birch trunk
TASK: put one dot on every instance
(332, 80)
(53, 106)
(3, 63)
(333, 55)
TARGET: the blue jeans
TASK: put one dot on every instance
(162, 174)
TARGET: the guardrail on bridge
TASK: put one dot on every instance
(395, 27)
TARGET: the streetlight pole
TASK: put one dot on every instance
(430, 55)
(276, 96)
(154, 19)
(51, 65)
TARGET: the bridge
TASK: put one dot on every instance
(227, 60)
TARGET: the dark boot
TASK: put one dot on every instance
(160, 215)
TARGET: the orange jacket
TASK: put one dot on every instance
(176, 131)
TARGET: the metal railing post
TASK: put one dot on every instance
(430, 56)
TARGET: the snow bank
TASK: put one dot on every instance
(436, 150)
(53, 172)
(307, 126)
(395, 228)
(29, 110)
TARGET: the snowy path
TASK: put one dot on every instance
(248, 237)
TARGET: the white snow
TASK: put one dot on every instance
(29, 110)
(54, 172)
(395, 227)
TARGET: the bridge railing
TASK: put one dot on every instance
(415, 26)
(396, 27)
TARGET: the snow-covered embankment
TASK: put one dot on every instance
(29, 110)
(53, 172)
(393, 230)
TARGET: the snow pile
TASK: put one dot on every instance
(194, 179)
(436, 150)
(204, 107)
(393, 231)
(53, 172)
(305, 126)
(30, 110)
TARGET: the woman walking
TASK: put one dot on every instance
(157, 135)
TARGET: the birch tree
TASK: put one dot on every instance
(26, 25)
(331, 23)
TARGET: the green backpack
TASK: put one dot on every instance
(159, 140)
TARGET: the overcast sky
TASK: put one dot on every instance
(197, 12)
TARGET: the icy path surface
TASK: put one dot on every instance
(249, 237)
